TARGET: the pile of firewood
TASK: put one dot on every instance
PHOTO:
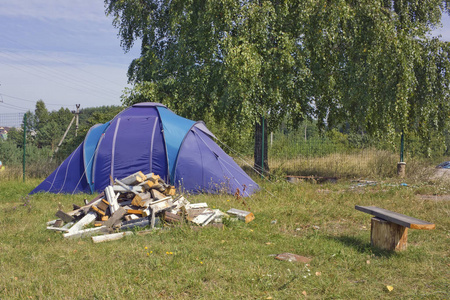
(137, 201)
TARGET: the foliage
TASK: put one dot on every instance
(45, 130)
(370, 64)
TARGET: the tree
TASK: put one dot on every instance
(368, 63)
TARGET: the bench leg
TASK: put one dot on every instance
(387, 235)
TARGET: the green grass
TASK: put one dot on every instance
(318, 221)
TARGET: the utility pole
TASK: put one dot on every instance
(76, 114)
(75, 117)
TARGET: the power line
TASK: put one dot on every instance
(10, 106)
(63, 62)
(53, 79)
(31, 101)
(61, 76)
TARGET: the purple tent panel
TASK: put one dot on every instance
(202, 166)
(129, 145)
(69, 176)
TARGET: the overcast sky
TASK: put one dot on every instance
(65, 53)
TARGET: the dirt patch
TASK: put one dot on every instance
(442, 174)
(434, 197)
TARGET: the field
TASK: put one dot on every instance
(314, 220)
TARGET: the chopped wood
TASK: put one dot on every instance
(141, 199)
(87, 219)
(125, 203)
(65, 217)
(192, 213)
(50, 223)
(134, 211)
(58, 223)
(68, 225)
(129, 188)
(159, 187)
(153, 178)
(180, 201)
(110, 237)
(219, 216)
(197, 205)
(137, 200)
(120, 189)
(131, 217)
(134, 179)
(146, 212)
(111, 198)
(84, 209)
(161, 205)
(204, 218)
(141, 222)
(148, 175)
(115, 218)
(103, 205)
(99, 196)
(97, 210)
(170, 191)
(83, 233)
(172, 218)
(157, 195)
(147, 185)
(242, 215)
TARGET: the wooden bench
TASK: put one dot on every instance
(389, 230)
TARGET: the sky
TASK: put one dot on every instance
(66, 53)
(63, 52)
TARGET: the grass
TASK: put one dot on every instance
(317, 221)
(368, 163)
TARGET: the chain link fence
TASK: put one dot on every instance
(306, 153)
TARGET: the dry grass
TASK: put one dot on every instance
(35, 170)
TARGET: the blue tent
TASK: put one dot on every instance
(149, 137)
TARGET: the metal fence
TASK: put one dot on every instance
(11, 119)
(345, 155)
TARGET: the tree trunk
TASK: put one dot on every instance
(259, 150)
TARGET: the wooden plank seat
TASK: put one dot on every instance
(389, 230)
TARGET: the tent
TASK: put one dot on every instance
(149, 137)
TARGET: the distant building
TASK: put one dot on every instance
(4, 133)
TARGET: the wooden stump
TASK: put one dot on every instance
(387, 235)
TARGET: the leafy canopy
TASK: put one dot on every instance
(369, 63)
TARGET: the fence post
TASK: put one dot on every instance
(262, 147)
(401, 166)
(24, 143)
(402, 145)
